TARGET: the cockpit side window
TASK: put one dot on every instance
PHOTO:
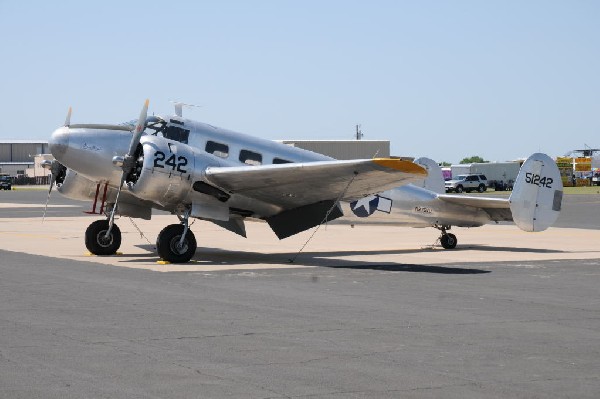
(250, 157)
(155, 125)
(176, 133)
(218, 149)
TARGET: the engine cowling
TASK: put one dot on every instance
(163, 172)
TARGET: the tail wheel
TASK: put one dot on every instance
(98, 243)
(170, 248)
(449, 241)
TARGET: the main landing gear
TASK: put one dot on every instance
(448, 240)
(100, 243)
(176, 243)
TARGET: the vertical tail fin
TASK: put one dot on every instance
(537, 194)
(434, 180)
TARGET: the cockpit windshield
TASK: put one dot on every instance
(157, 126)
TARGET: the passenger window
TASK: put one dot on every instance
(280, 161)
(250, 158)
(218, 149)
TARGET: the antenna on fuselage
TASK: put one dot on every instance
(179, 107)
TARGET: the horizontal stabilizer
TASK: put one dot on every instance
(476, 202)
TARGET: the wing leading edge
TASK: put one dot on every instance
(293, 185)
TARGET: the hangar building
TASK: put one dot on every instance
(345, 149)
(16, 156)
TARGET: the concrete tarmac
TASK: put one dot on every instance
(363, 312)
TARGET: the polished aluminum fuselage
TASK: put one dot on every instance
(88, 152)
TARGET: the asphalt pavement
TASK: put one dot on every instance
(348, 326)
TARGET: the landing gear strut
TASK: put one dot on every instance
(448, 240)
(176, 243)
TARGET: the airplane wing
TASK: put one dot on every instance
(306, 193)
(296, 184)
(497, 208)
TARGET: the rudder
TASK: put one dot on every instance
(536, 199)
(434, 180)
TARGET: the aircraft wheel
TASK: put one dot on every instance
(448, 241)
(459, 189)
(96, 241)
(168, 248)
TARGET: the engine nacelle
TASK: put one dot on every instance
(78, 187)
(166, 170)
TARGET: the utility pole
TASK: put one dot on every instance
(359, 134)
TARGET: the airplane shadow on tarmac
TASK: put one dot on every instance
(217, 256)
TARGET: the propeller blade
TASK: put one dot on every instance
(52, 180)
(139, 128)
(68, 119)
(129, 161)
(55, 169)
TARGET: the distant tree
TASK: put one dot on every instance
(444, 164)
(473, 159)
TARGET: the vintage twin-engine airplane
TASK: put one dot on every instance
(196, 170)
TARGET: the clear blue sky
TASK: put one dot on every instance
(444, 79)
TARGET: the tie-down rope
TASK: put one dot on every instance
(342, 194)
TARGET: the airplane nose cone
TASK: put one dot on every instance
(59, 142)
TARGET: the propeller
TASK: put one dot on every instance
(57, 170)
(68, 118)
(57, 175)
(128, 161)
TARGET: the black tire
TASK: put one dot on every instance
(97, 243)
(168, 241)
(459, 189)
(448, 241)
(481, 188)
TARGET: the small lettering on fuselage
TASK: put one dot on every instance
(94, 148)
(423, 209)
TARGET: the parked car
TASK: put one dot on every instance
(5, 183)
(467, 183)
